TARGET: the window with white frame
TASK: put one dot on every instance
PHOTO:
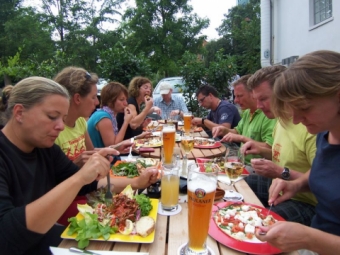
(322, 10)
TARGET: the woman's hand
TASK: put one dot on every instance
(127, 114)
(281, 190)
(123, 147)
(287, 236)
(148, 102)
(97, 166)
(83, 158)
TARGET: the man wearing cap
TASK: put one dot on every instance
(171, 105)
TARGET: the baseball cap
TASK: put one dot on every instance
(164, 88)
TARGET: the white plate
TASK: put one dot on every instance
(62, 251)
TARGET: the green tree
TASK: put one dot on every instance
(122, 65)
(196, 74)
(81, 27)
(27, 31)
(241, 27)
(164, 30)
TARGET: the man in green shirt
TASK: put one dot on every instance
(254, 124)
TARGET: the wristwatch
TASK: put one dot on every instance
(203, 119)
(285, 173)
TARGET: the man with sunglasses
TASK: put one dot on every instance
(221, 112)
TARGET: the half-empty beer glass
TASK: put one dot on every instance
(170, 187)
(201, 194)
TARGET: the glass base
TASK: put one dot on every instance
(169, 209)
(184, 250)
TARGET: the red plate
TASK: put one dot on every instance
(215, 145)
(252, 248)
(203, 160)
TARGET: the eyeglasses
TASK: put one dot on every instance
(200, 101)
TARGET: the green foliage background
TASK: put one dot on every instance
(157, 39)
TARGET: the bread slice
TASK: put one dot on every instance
(145, 225)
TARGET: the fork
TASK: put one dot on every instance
(129, 157)
(108, 194)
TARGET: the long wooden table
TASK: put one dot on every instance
(195, 153)
(171, 232)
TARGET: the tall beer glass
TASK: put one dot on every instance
(169, 133)
(201, 194)
(187, 121)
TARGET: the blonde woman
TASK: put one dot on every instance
(308, 92)
(37, 181)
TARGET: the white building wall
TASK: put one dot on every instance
(293, 33)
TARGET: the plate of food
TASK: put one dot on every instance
(234, 223)
(220, 161)
(132, 219)
(153, 126)
(205, 143)
(132, 169)
(195, 129)
(150, 142)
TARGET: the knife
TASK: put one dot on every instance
(76, 250)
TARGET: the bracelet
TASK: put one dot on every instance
(179, 112)
(203, 119)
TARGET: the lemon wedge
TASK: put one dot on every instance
(128, 228)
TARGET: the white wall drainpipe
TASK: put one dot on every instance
(265, 33)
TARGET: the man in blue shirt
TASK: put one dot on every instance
(170, 105)
(221, 112)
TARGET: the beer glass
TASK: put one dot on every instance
(170, 187)
(168, 136)
(187, 121)
(234, 164)
(201, 194)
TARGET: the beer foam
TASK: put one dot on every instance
(208, 186)
(169, 129)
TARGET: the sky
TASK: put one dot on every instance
(214, 10)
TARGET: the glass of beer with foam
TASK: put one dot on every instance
(168, 137)
(187, 121)
(201, 194)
